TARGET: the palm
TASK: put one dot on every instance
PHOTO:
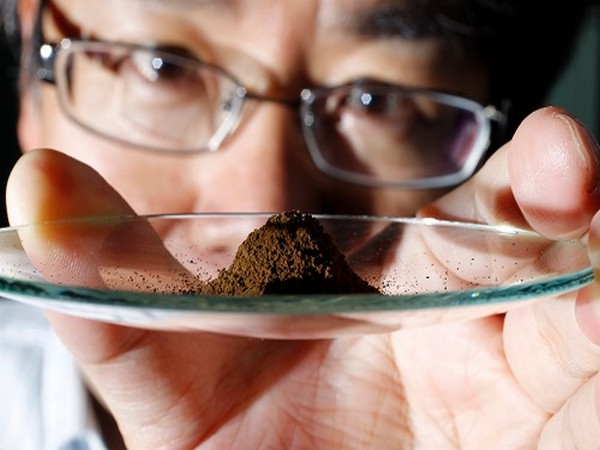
(431, 385)
(455, 374)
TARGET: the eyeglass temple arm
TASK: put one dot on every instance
(46, 58)
(45, 53)
(499, 116)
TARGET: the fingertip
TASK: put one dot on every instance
(553, 167)
(46, 184)
(18, 187)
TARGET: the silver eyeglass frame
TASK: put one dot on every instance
(49, 57)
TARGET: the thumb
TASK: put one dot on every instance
(553, 167)
(47, 185)
(546, 178)
(94, 248)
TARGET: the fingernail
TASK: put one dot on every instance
(585, 142)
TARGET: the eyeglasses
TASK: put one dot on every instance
(365, 132)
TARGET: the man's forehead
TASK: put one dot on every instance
(342, 7)
(369, 18)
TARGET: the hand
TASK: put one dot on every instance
(503, 381)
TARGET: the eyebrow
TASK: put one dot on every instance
(62, 21)
(407, 20)
(410, 20)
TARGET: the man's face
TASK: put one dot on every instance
(275, 48)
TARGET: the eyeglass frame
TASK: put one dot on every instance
(47, 53)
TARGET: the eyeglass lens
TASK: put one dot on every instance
(391, 134)
(148, 98)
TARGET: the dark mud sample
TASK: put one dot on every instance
(291, 254)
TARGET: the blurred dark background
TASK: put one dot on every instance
(578, 90)
(9, 149)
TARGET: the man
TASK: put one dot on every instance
(363, 107)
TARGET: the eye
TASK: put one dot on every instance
(383, 104)
(150, 65)
(380, 102)
(369, 100)
(373, 100)
(155, 67)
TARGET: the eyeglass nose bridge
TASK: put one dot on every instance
(242, 95)
(290, 102)
(47, 57)
(300, 104)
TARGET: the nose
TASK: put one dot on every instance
(263, 167)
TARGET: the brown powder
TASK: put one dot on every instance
(291, 254)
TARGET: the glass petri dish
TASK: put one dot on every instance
(148, 271)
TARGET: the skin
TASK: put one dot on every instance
(524, 378)
(269, 65)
